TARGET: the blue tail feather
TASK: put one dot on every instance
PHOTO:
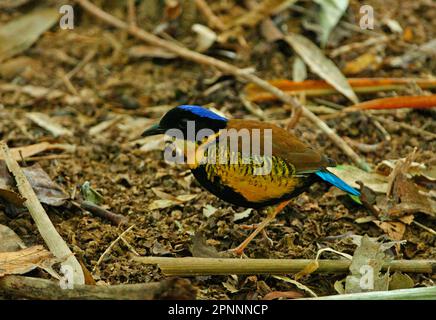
(337, 182)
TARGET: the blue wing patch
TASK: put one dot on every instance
(202, 112)
(337, 182)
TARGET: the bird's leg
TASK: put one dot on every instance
(239, 250)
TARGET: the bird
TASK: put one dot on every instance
(239, 177)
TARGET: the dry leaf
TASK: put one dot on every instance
(205, 37)
(321, 65)
(46, 190)
(363, 62)
(350, 174)
(7, 189)
(242, 215)
(20, 33)
(201, 249)
(283, 294)
(25, 260)
(144, 51)
(329, 16)
(9, 240)
(168, 200)
(33, 149)
(49, 124)
(260, 12)
(400, 281)
(394, 229)
(209, 210)
(297, 284)
(310, 268)
(365, 268)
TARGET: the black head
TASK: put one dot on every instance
(189, 120)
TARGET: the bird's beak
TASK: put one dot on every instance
(153, 130)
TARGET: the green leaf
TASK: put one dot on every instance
(91, 195)
(330, 13)
(320, 64)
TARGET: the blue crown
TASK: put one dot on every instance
(202, 112)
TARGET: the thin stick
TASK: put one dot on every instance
(415, 130)
(212, 20)
(240, 73)
(424, 227)
(108, 249)
(54, 241)
(116, 219)
(35, 288)
(212, 266)
(131, 12)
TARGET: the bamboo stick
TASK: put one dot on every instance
(51, 237)
(216, 266)
(428, 293)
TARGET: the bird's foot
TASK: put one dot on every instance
(238, 251)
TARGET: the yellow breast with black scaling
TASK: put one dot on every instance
(243, 179)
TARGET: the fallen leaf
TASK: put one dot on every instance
(283, 294)
(153, 143)
(308, 269)
(205, 37)
(414, 102)
(320, 87)
(29, 27)
(144, 51)
(330, 13)
(33, 149)
(350, 174)
(209, 210)
(394, 229)
(25, 260)
(9, 240)
(7, 189)
(365, 268)
(400, 281)
(161, 250)
(168, 200)
(260, 12)
(231, 284)
(299, 70)
(49, 124)
(90, 194)
(321, 65)
(363, 62)
(46, 189)
(242, 215)
(297, 284)
(201, 249)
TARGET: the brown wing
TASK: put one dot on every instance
(284, 145)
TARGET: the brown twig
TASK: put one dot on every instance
(35, 288)
(212, 20)
(116, 219)
(293, 120)
(131, 12)
(54, 241)
(415, 130)
(109, 248)
(226, 67)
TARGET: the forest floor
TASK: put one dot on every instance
(128, 93)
